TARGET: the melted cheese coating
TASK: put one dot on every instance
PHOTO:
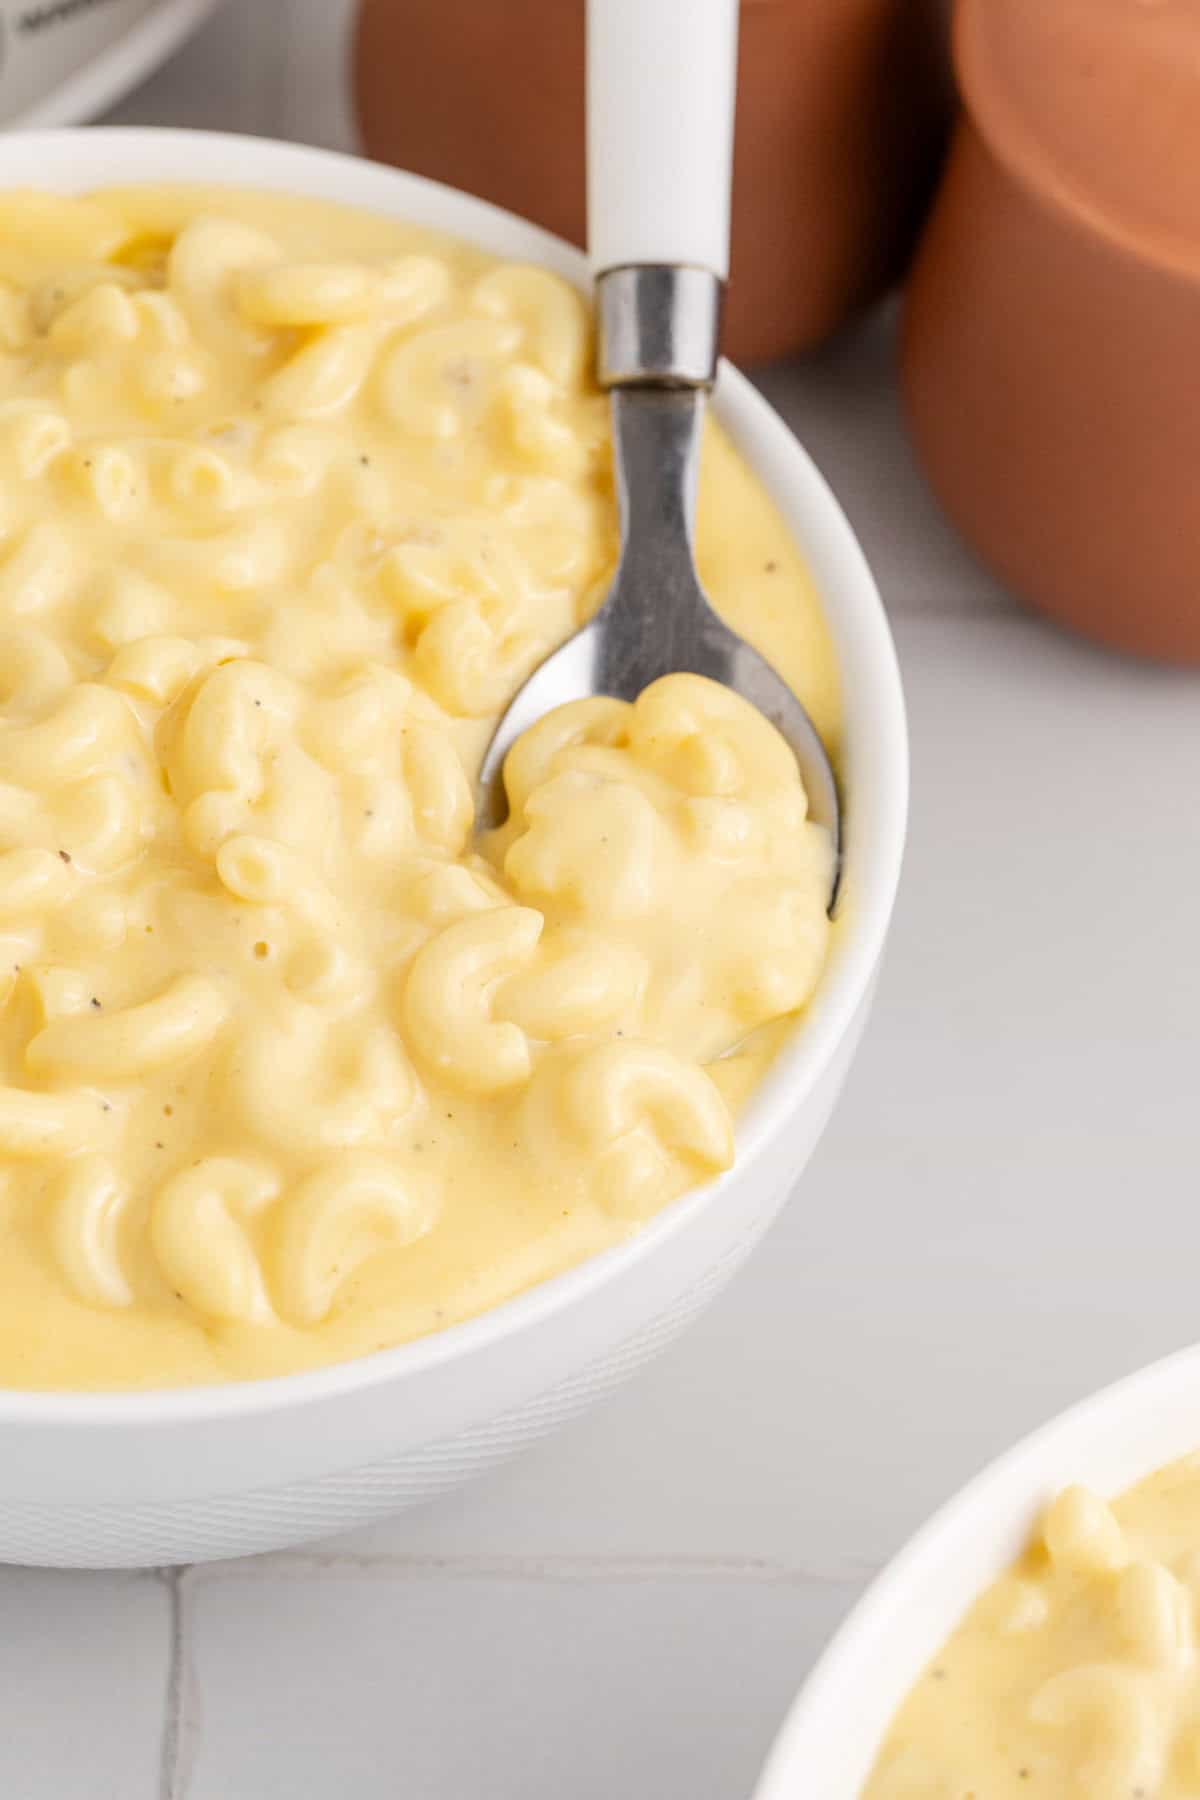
(291, 1067)
(1076, 1675)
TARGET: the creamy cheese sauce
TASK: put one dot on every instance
(1076, 1675)
(291, 1066)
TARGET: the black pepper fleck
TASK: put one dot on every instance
(95, 1003)
(66, 855)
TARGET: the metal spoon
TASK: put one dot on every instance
(660, 130)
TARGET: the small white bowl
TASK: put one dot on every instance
(836, 1727)
(181, 1475)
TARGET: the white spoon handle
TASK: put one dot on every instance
(661, 76)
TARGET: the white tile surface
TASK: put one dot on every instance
(390, 1680)
(1001, 1217)
(83, 1679)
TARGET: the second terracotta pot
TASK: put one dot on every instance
(1052, 335)
(842, 108)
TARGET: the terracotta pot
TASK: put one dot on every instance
(842, 107)
(1052, 335)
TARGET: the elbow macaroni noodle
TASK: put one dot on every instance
(291, 1066)
(1076, 1675)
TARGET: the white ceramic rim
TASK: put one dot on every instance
(875, 756)
(1109, 1441)
(103, 80)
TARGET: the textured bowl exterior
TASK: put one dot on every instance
(110, 1534)
(832, 1736)
(180, 1475)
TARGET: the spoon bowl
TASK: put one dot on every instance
(656, 618)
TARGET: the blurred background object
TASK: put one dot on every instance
(61, 61)
(1053, 325)
(842, 112)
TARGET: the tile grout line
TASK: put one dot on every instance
(179, 1711)
(302, 1565)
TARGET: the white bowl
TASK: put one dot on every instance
(835, 1729)
(90, 59)
(181, 1475)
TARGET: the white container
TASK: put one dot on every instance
(128, 1479)
(62, 61)
(833, 1734)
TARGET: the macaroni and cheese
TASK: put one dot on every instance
(1076, 1674)
(292, 1067)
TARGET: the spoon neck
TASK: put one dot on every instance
(656, 439)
